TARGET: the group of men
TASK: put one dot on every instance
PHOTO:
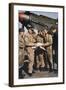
(35, 51)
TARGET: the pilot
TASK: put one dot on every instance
(39, 52)
(30, 40)
(48, 46)
(21, 51)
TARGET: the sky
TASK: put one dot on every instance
(48, 14)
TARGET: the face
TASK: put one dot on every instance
(40, 32)
(54, 30)
(21, 33)
(45, 31)
(30, 31)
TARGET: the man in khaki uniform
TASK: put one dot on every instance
(30, 40)
(39, 52)
(21, 46)
(48, 45)
(21, 51)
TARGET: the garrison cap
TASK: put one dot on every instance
(21, 30)
(29, 26)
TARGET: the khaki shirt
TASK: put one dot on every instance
(48, 42)
(21, 49)
(21, 42)
(29, 41)
(39, 39)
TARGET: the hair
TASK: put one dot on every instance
(27, 12)
(54, 27)
(21, 30)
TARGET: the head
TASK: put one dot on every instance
(45, 31)
(30, 29)
(53, 29)
(40, 32)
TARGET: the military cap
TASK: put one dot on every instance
(21, 30)
(29, 26)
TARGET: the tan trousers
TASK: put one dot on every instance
(49, 51)
(40, 60)
(21, 56)
(31, 59)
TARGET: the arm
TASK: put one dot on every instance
(21, 42)
(49, 42)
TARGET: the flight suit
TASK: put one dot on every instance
(29, 40)
(40, 53)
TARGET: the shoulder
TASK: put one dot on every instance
(27, 34)
(19, 37)
(50, 36)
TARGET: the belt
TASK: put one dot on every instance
(29, 46)
(21, 47)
